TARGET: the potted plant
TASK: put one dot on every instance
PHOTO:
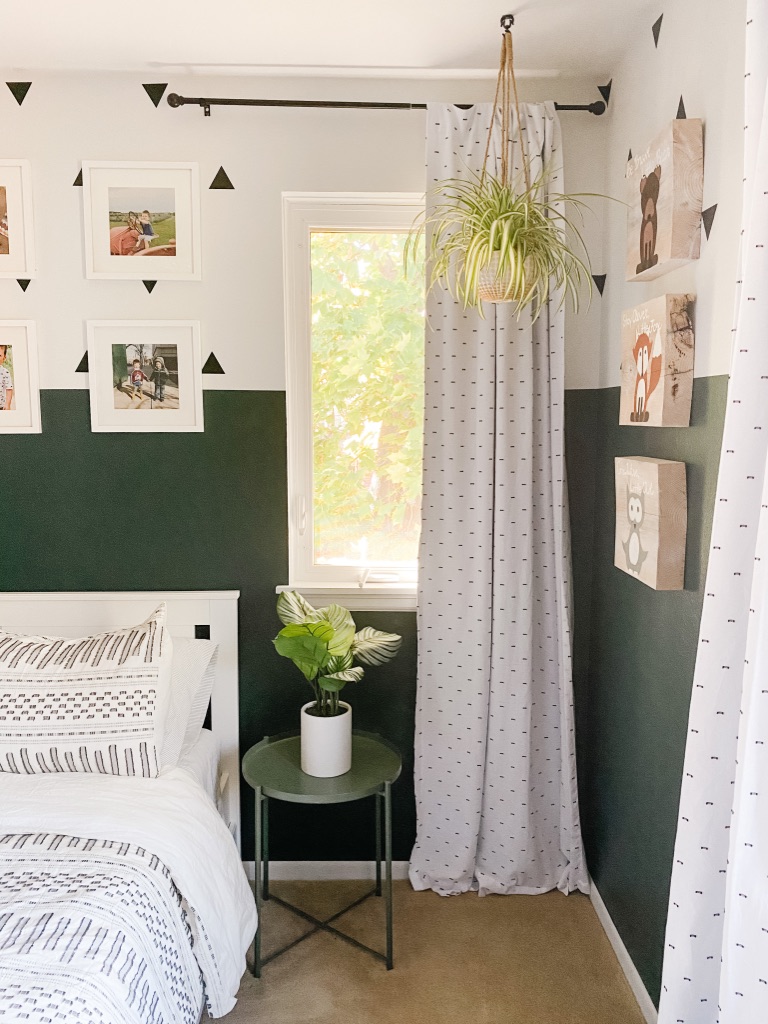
(324, 645)
(496, 239)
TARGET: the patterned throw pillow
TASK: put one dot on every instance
(94, 704)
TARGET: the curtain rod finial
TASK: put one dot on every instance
(507, 21)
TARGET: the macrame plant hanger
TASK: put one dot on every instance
(491, 287)
(506, 92)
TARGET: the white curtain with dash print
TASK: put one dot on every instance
(716, 950)
(495, 765)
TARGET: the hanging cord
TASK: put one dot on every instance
(506, 88)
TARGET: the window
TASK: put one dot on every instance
(355, 392)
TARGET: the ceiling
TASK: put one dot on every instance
(569, 37)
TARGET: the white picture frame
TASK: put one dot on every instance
(117, 247)
(17, 234)
(18, 357)
(122, 403)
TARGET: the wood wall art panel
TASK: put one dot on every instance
(651, 521)
(665, 184)
(657, 362)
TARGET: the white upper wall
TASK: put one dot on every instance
(701, 57)
(68, 118)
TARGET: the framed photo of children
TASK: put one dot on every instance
(145, 376)
(142, 221)
(19, 386)
(17, 242)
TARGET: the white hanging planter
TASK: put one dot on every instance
(326, 743)
(491, 287)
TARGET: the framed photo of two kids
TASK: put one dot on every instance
(135, 212)
(19, 388)
(145, 375)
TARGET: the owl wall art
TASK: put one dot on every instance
(651, 521)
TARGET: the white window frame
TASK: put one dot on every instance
(304, 212)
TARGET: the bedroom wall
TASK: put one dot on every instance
(635, 648)
(85, 511)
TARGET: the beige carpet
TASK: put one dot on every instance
(458, 960)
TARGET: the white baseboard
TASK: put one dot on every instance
(631, 973)
(325, 870)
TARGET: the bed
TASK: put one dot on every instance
(123, 899)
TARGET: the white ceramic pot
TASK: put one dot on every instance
(326, 743)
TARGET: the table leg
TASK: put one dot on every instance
(257, 861)
(388, 856)
(265, 846)
(378, 798)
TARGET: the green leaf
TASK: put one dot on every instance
(336, 681)
(339, 663)
(373, 647)
(331, 684)
(307, 668)
(291, 607)
(343, 627)
(306, 644)
(322, 630)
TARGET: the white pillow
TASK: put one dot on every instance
(201, 761)
(92, 704)
(192, 678)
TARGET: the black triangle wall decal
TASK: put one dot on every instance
(681, 114)
(79, 179)
(19, 90)
(155, 91)
(656, 29)
(629, 156)
(599, 280)
(149, 285)
(212, 365)
(221, 180)
(24, 284)
(82, 366)
(707, 217)
(605, 91)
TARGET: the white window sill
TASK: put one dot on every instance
(373, 597)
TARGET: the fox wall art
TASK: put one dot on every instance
(657, 362)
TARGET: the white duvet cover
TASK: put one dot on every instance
(171, 817)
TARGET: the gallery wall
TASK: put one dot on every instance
(201, 511)
(635, 648)
(67, 118)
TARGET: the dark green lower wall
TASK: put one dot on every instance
(84, 511)
(634, 654)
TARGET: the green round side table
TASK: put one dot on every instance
(272, 768)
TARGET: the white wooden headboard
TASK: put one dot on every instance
(72, 614)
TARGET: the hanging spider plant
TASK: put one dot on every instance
(498, 240)
(490, 241)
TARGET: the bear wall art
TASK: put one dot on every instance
(651, 521)
(665, 184)
(657, 362)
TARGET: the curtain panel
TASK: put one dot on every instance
(716, 948)
(495, 769)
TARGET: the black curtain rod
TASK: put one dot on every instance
(206, 102)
